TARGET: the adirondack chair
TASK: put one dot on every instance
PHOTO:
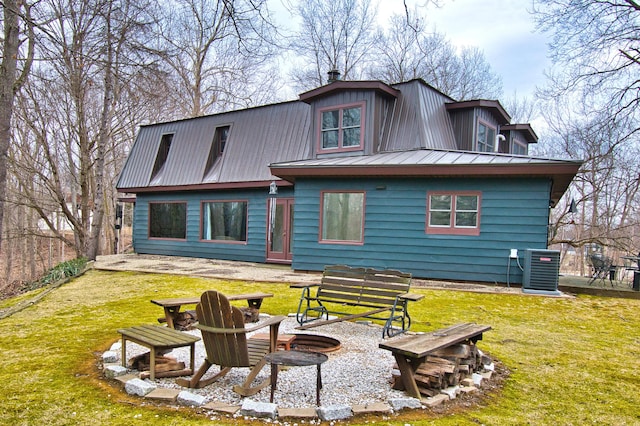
(225, 340)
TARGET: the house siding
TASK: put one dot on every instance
(254, 250)
(514, 214)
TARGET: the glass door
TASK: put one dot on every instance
(280, 226)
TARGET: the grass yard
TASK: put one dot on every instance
(572, 361)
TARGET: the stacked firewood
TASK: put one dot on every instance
(185, 320)
(446, 367)
(166, 366)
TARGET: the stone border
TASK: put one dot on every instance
(133, 385)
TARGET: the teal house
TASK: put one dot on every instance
(360, 173)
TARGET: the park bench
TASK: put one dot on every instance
(172, 306)
(410, 352)
(383, 294)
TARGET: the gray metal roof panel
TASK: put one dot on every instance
(258, 137)
(427, 157)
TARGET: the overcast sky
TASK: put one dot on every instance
(503, 29)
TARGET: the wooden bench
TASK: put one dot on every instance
(384, 294)
(172, 306)
(158, 338)
(411, 351)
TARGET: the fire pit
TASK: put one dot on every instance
(315, 343)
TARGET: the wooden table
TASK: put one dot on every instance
(283, 341)
(172, 306)
(295, 359)
(157, 338)
(411, 351)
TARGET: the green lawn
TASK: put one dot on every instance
(572, 361)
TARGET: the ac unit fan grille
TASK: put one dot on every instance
(542, 268)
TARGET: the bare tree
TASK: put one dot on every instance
(14, 69)
(605, 191)
(407, 50)
(334, 35)
(217, 53)
(596, 59)
(596, 50)
(89, 51)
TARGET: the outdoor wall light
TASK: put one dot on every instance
(273, 188)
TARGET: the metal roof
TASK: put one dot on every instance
(274, 142)
(257, 137)
(435, 163)
(419, 119)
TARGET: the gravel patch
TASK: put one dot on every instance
(358, 373)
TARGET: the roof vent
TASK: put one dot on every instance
(334, 75)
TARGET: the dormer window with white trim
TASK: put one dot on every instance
(486, 137)
(340, 128)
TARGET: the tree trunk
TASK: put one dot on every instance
(8, 71)
(103, 137)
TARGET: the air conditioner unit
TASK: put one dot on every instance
(541, 271)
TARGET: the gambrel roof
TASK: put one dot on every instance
(415, 137)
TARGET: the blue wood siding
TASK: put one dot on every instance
(254, 250)
(514, 214)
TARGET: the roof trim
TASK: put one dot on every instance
(205, 186)
(496, 108)
(561, 173)
(523, 127)
(342, 85)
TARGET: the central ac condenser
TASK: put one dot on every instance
(541, 271)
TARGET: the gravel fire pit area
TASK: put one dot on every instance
(356, 378)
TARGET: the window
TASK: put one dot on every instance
(168, 220)
(453, 213)
(217, 146)
(518, 147)
(224, 220)
(341, 128)
(486, 137)
(342, 217)
(161, 156)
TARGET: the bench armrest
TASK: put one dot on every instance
(303, 285)
(412, 297)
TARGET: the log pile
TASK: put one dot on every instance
(185, 320)
(166, 366)
(445, 367)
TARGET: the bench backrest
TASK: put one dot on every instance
(362, 286)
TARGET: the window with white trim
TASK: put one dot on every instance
(341, 128)
(486, 138)
(456, 213)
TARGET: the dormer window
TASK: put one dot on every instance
(518, 147)
(486, 138)
(161, 156)
(217, 146)
(341, 128)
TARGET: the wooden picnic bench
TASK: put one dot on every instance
(172, 306)
(384, 294)
(411, 351)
